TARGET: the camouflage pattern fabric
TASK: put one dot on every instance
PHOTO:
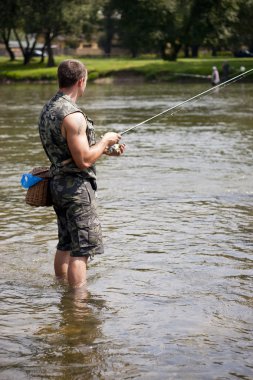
(73, 198)
(54, 144)
(78, 224)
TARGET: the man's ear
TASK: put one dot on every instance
(79, 82)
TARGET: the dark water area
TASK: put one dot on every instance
(171, 298)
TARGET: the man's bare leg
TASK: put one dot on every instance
(77, 271)
(61, 263)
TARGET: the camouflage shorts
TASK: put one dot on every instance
(79, 229)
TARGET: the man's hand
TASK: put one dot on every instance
(112, 147)
(111, 138)
(115, 150)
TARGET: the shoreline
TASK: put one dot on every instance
(121, 70)
(114, 80)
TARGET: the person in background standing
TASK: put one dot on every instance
(225, 72)
(215, 79)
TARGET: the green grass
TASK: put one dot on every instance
(150, 69)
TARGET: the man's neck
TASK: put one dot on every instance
(71, 92)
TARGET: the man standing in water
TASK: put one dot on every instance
(68, 139)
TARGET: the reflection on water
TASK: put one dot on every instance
(172, 296)
(73, 342)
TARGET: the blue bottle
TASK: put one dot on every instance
(28, 180)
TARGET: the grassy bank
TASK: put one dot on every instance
(149, 69)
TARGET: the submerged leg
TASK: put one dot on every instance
(61, 263)
(77, 271)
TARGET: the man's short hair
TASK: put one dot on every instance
(69, 72)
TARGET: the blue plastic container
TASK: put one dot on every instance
(28, 180)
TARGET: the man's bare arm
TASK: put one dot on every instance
(74, 130)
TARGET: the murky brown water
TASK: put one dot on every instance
(172, 296)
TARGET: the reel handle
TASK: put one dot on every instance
(115, 148)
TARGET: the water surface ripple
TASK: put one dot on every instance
(172, 296)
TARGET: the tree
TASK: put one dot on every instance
(30, 19)
(26, 27)
(8, 14)
(242, 28)
(170, 26)
(139, 23)
(54, 20)
(99, 21)
(141, 26)
(221, 19)
(108, 25)
(196, 25)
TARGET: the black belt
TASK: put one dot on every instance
(93, 183)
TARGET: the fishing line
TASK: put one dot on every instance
(223, 84)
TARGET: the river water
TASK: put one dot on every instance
(171, 298)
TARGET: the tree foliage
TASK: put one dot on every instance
(242, 33)
(138, 23)
(8, 15)
(164, 27)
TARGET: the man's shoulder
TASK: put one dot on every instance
(59, 107)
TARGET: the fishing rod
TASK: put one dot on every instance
(223, 84)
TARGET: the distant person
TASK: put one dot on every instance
(215, 76)
(225, 72)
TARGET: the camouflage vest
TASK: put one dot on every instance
(54, 144)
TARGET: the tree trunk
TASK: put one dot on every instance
(175, 47)
(19, 43)
(109, 33)
(214, 51)
(29, 51)
(43, 50)
(108, 45)
(195, 51)
(6, 40)
(186, 51)
(42, 58)
(133, 54)
(163, 52)
(27, 56)
(48, 40)
(25, 51)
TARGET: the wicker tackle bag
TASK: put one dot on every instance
(39, 195)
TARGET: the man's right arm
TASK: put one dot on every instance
(74, 130)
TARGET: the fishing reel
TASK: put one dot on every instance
(114, 149)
